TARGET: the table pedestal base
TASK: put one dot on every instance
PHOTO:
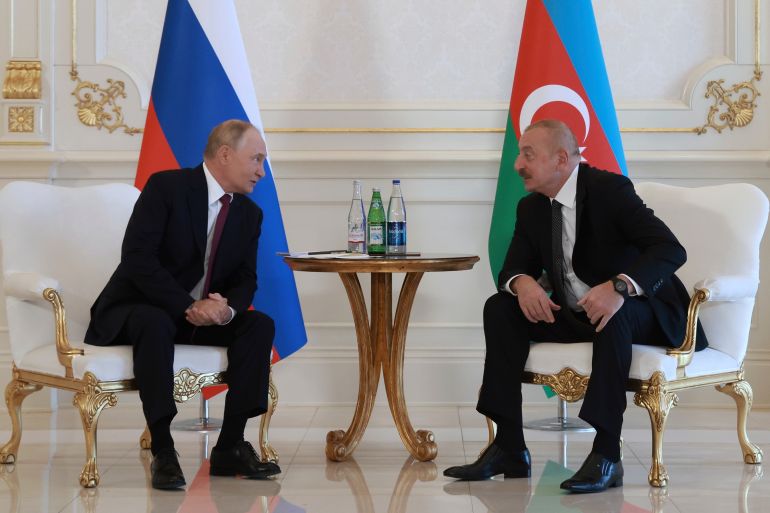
(381, 348)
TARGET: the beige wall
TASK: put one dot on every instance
(403, 63)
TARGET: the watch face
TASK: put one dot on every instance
(620, 286)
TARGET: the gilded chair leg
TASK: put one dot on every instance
(145, 441)
(90, 401)
(266, 451)
(15, 393)
(658, 402)
(741, 392)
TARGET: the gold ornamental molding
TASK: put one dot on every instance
(21, 119)
(188, 383)
(22, 80)
(97, 105)
(568, 384)
(733, 107)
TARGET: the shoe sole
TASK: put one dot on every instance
(170, 486)
(617, 483)
(518, 475)
(230, 473)
(506, 475)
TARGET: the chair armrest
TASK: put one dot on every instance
(36, 288)
(732, 287)
(64, 351)
(684, 352)
(717, 288)
(729, 288)
(28, 286)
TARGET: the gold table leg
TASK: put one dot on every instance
(341, 444)
(420, 444)
(381, 345)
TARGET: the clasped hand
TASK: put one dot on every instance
(210, 311)
(600, 303)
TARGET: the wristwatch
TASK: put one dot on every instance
(620, 286)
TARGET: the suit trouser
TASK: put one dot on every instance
(508, 334)
(153, 335)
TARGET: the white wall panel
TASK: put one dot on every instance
(405, 64)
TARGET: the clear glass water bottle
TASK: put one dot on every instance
(375, 230)
(396, 221)
(357, 221)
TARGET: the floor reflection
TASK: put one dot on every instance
(411, 472)
(46, 482)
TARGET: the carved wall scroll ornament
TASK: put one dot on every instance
(96, 105)
(733, 107)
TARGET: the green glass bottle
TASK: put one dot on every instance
(375, 230)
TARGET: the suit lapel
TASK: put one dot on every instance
(580, 197)
(197, 201)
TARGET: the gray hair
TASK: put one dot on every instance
(561, 135)
(228, 133)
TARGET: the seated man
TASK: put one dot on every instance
(611, 263)
(187, 275)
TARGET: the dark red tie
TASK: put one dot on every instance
(218, 227)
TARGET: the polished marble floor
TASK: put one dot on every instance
(701, 453)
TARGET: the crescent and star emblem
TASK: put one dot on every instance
(552, 93)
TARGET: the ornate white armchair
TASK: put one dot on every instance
(721, 227)
(57, 244)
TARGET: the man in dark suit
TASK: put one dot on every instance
(611, 264)
(187, 275)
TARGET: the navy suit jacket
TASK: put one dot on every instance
(163, 253)
(616, 233)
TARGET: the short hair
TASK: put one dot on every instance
(228, 133)
(561, 135)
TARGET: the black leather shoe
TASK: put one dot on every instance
(241, 460)
(596, 475)
(166, 472)
(493, 461)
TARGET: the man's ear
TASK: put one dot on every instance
(224, 154)
(562, 157)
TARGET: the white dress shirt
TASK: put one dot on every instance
(574, 287)
(215, 193)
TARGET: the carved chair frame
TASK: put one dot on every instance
(92, 396)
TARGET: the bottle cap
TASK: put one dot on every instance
(356, 182)
(396, 182)
(375, 189)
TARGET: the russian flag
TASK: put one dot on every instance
(202, 78)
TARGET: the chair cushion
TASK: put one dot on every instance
(115, 363)
(551, 357)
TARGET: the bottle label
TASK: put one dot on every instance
(356, 233)
(376, 235)
(397, 233)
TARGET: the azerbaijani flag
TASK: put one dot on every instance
(560, 74)
(202, 78)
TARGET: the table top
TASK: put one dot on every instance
(428, 262)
